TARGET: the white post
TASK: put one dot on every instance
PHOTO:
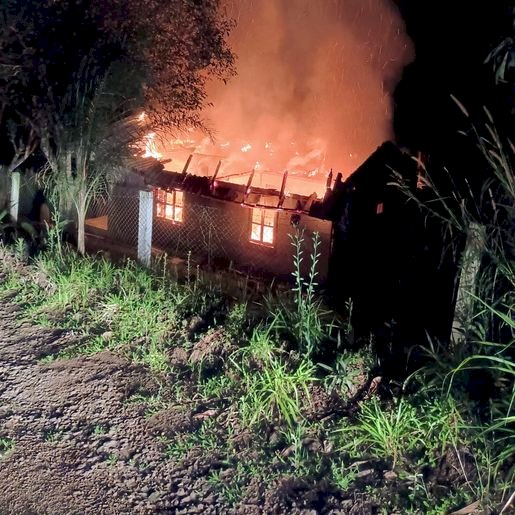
(14, 204)
(146, 209)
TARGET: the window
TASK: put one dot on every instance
(379, 208)
(263, 226)
(169, 205)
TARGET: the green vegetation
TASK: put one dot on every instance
(6, 446)
(260, 394)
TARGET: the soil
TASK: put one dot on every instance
(81, 446)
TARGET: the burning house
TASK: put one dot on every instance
(214, 222)
(312, 92)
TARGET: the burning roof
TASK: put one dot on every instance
(247, 194)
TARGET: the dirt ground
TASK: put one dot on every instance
(80, 447)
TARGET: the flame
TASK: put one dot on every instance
(141, 117)
(150, 146)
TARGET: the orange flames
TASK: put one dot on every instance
(150, 146)
(312, 93)
(269, 160)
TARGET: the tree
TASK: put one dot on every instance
(93, 130)
(77, 74)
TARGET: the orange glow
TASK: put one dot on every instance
(313, 92)
(262, 226)
(169, 205)
(150, 146)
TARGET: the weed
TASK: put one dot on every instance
(342, 475)
(112, 460)
(342, 375)
(153, 355)
(53, 436)
(99, 430)
(21, 250)
(236, 322)
(298, 456)
(152, 403)
(215, 387)
(229, 486)
(204, 438)
(304, 319)
(6, 446)
(261, 347)
(177, 448)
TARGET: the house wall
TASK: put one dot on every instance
(217, 232)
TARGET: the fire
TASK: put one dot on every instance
(267, 158)
(141, 117)
(150, 146)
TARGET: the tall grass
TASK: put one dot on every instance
(486, 346)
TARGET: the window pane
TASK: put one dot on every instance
(169, 212)
(268, 234)
(255, 233)
(256, 215)
(160, 211)
(169, 197)
(269, 218)
(178, 214)
(178, 198)
(160, 195)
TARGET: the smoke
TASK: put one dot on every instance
(314, 83)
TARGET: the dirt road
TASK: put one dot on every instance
(78, 445)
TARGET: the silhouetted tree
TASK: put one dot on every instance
(75, 75)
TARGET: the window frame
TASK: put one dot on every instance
(262, 226)
(174, 205)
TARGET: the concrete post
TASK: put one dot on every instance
(14, 204)
(146, 210)
(470, 264)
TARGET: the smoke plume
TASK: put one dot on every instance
(314, 82)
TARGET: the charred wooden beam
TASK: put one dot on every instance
(283, 187)
(213, 179)
(186, 166)
(249, 182)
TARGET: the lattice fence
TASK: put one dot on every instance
(214, 235)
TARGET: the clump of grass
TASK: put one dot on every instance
(405, 432)
(275, 392)
(6, 446)
(205, 438)
(385, 433)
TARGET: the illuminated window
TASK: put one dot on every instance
(169, 205)
(262, 226)
(379, 208)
